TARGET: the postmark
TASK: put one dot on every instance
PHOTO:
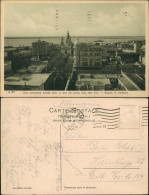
(72, 119)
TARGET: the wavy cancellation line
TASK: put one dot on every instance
(107, 115)
(96, 109)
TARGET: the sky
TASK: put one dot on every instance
(81, 19)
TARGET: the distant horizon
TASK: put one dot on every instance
(26, 41)
(11, 37)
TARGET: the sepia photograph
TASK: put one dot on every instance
(77, 46)
(74, 80)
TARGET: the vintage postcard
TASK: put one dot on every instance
(74, 146)
(74, 48)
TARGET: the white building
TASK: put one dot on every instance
(7, 66)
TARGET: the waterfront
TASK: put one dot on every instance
(88, 63)
(27, 41)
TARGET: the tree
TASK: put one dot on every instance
(68, 66)
(58, 61)
(20, 61)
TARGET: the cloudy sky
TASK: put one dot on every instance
(54, 19)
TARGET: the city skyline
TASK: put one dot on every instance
(59, 36)
(54, 19)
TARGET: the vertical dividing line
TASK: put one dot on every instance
(60, 158)
(119, 117)
(140, 114)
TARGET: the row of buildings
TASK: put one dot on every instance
(36, 76)
(96, 66)
(43, 48)
(101, 66)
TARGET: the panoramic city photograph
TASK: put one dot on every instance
(74, 46)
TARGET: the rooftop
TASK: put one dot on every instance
(128, 51)
(27, 79)
(9, 49)
(96, 81)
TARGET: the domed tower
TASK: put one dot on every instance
(62, 41)
(76, 53)
(62, 45)
(68, 39)
(68, 35)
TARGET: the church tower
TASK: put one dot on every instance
(66, 45)
(62, 41)
(68, 39)
(68, 36)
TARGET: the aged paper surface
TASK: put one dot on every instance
(74, 48)
(74, 146)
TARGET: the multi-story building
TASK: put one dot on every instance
(88, 56)
(137, 46)
(7, 66)
(66, 45)
(142, 55)
(42, 49)
(8, 54)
